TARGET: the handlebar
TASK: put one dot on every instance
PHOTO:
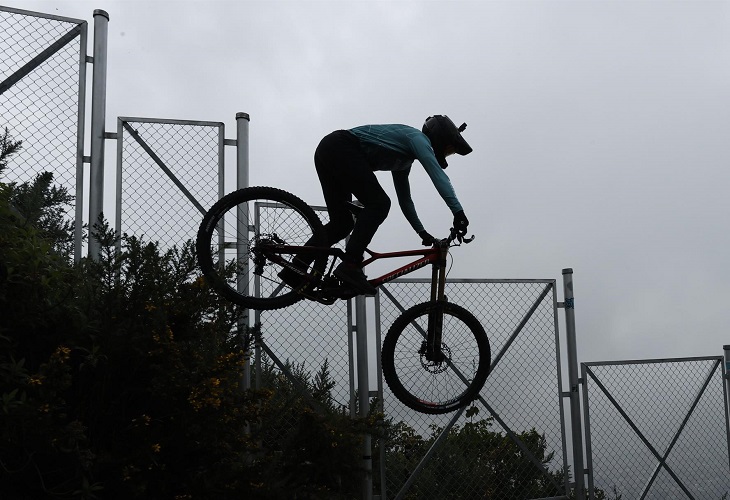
(455, 236)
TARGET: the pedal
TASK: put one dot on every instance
(326, 300)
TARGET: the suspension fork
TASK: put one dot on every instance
(436, 312)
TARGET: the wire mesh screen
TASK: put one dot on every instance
(169, 175)
(480, 456)
(309, 336)
(42, 107)
(657, 429)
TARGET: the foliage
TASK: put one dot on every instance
(122, 378)
(39, 203)
(8, 147)
(321, 453)
(473, 461)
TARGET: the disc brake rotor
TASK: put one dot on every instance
(439, 366)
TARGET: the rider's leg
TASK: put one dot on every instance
(376, 206)
(333, 150)
(343, 170)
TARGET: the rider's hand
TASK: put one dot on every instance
(461, 223)
(426, 238)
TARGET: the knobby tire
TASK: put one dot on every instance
(436, 388)
(283, 217)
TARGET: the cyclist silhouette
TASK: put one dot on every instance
(346, 161)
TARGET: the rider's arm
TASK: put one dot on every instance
(403, 191)
(425, 155)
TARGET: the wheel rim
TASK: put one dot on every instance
(240, 250)
(444, 385)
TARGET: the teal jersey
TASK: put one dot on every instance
(394, 148)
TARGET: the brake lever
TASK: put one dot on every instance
(454, 235)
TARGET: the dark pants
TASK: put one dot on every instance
(344, 171)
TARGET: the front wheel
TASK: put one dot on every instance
(443, 383)
(237, 246)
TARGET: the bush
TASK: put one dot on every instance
(122, 378)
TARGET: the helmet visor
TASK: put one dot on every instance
(445, 136)
(460, 145)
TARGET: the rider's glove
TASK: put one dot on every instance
(427, 239)
(461, 223)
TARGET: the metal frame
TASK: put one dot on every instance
(549, 287)
(80, 30)
(123, 124)
(726, 383)
(588, 374)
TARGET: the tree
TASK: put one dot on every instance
(8, 147)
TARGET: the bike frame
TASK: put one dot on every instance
(436, 256)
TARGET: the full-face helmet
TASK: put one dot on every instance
(445, 138)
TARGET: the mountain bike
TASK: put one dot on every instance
(436, 355)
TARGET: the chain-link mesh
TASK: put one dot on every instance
(677, 407)
(522, 390)
(170, 170)
(41, 109)
(307, 337)
(309, 334)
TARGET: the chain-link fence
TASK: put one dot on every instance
(308, 335)
(42, 87)
(516, 444)
(519, 414)
(169, 174)
(513, 447)
(657, 429)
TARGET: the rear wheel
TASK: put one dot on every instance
(237, 241)
(457, 375)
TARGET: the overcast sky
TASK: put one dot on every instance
(600, 131)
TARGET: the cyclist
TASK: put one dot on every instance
(346, 160)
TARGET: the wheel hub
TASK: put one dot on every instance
(436, 362)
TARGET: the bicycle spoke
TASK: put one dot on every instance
(458, 371)
(237, 240)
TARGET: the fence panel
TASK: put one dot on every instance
(308, 334)
(169, 173)
(517, 422)
(499, 458)
(305, 338)
(657, 429)
(42, 87)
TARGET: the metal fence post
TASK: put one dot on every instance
(242, 122)
(80, 124)
(363, 386)
(573, 380)
(726, 381)
(244, 223)
(98, 122)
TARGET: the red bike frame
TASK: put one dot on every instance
(435, 255)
